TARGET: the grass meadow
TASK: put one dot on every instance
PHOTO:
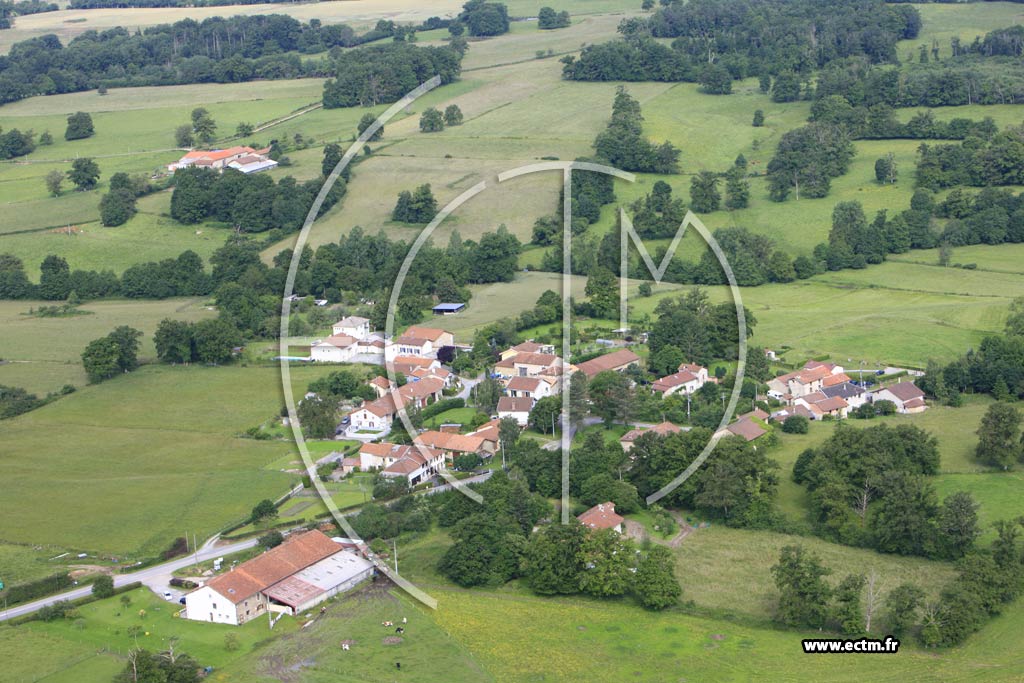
(142, 458)
(42, 366)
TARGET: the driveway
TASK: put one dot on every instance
(157, 575)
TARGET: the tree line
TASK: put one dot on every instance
(986, 581)
(215, 50)
(10, 10)
(250, 202)
(716, 41)
(996, 160)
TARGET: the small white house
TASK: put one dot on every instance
(339, 348)
(352, 326)
(518, 408)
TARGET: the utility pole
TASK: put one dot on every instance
(394, 544)
(195, 548)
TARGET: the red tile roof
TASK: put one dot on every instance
(263, 571)
(601, 516)
(609, 361)
(517, 404)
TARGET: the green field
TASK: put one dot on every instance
(140, 459)
(43, 354)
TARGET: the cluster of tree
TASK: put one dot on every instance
(15, 401)
(483, 18)
(342, 384)
(376, 74)
(772, 36)
(79, 126)
(144, 666)
(432, 120)
(868, 487)
(807, 159)
(996, 367)
(415, 207)
(222, 50)
(997, 160)
(407, 514)
(986, 581)
(737, 486)
(548, 18)
(701, 330)
(658, 214)
(999, 437)
(717, 41)
(853, 242)
(15, 143)
(969, 78)
(252, 203)
(589, 191)
(879, 121)
(109, 356)
(622, 143)
(208, 341)
(495, 544)
(118, 205)
(10, 10)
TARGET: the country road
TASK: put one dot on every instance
(207, 552)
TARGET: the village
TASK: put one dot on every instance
(310, 567)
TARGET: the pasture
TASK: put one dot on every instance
(142, 458)
(43, 367)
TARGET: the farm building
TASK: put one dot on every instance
(907, 397)
(448, 309)
(295, 576)
(616, 361)
(602, 516)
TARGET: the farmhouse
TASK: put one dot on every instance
(419, 341)
(662, 429)
(616, 361)
(490, 432)
(602, 516)
(537, 387)
(338, 348)
(378, 415)
(516, 408)
(244, 159)
(454, 445)
(415, 463)
(527, 347)
(805, 381)
(687, 380)
(854, 395)
(907, 397)
(353, 326)
(295, 576)
(409, 365)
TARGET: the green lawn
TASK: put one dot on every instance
(462, 416)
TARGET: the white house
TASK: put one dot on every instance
(353, 326)
(297, 575)
(518, 408)
(907, 397)
(338, 348)
(418, 341)
(812, 377)
(687, 380)
(414, 463)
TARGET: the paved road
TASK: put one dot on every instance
(207, 552)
